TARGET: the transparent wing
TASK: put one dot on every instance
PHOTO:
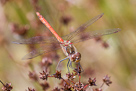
(82, 28)
(93, 34)
(41, 50)
(37, 40)
(46, 45)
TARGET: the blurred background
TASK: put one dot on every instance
(113, 54)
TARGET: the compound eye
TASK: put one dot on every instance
(78, 57)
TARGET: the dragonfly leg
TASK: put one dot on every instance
(68, 65)
(61, 61)
(80, 67)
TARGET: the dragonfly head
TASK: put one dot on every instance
(76, 57)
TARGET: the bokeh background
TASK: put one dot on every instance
(114, 54)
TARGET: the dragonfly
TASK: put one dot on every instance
(65, 42)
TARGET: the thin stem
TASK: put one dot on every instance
(86, 86)
(2, 83)
(73, 82)
(102, 85)
(79, 79)
(65, 81)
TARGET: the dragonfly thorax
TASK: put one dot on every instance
(68, 48)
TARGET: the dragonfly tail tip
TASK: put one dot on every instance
(37, 13)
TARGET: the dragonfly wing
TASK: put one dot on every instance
(33, 54)
(36, 40)
(82, 27)
(41, 50)
(94, 34)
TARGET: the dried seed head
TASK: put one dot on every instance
(65, 19)
(46, 62)
(105, 45)
(70, 76)
(33, 76)
(79, 87)
(98, 39)
(19, 30)
(6, 87)
(92, 81)
(45, 86)
(30, 89)
(67, 87)
(107, 80)
(57, 75)
(43, 75)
